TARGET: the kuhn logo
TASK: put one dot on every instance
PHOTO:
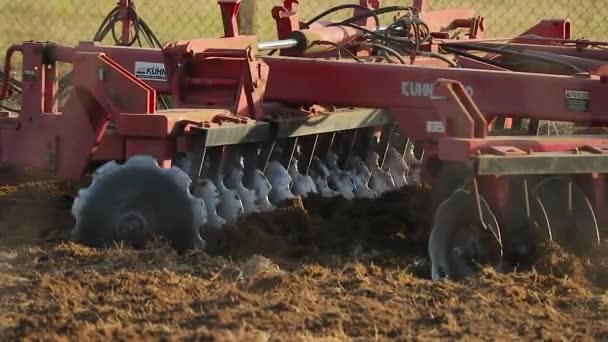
(150, 71)
(423, 89)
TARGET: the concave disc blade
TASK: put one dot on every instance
(528, 224)
(136, 202)
(570, 214)
(459, 244)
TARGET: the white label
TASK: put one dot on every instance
(150, 71)
(577, 100)
(423, 89)
(435, 127)
(577, 94)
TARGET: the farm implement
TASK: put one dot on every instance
(349, 108)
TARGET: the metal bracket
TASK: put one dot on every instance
(464, 118)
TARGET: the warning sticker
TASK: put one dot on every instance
(435, 127)
(30, 75)
(577, 100)
(150, 71)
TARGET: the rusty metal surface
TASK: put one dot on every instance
(541, 163)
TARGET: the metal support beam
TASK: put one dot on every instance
(540, 163)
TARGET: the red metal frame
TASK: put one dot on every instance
(308, 83)
(127, 23)
(287, 20)
(229, 10)
(387, 87)
(550, 28)
(494, 90)
(221, 74)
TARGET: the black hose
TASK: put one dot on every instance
(135, 18)
(376, 12)
(149, 33)
(108, 25)
(370, 13)
(104, 25)
(422, 33)
(467, 46)
(338, 47)
(401, 44)
(471, 56)
(388, 50)
(372, 33)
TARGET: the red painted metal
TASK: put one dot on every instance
(121, 55)
(289, 26)
(287, 20)
(335, 34)
(496, 188)
(461, 115)
(550, 28)
(288, 4)
(223, 74)
(308, 85)
(399, 86)
(79, 128)
(369, 21)
(126, 20)
(469, 63)
(443, 20)
(230, 10)
(125, 56)
(107, 91)
(461, 149)
(421, 5)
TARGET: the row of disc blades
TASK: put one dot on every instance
(138, 200)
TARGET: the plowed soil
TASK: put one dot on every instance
(321, 270)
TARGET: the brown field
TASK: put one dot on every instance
(329, 271)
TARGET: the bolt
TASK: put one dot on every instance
(131, 222)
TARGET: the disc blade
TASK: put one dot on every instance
(137, 202)
(458, 244)
(570, 214)
(528, 224)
